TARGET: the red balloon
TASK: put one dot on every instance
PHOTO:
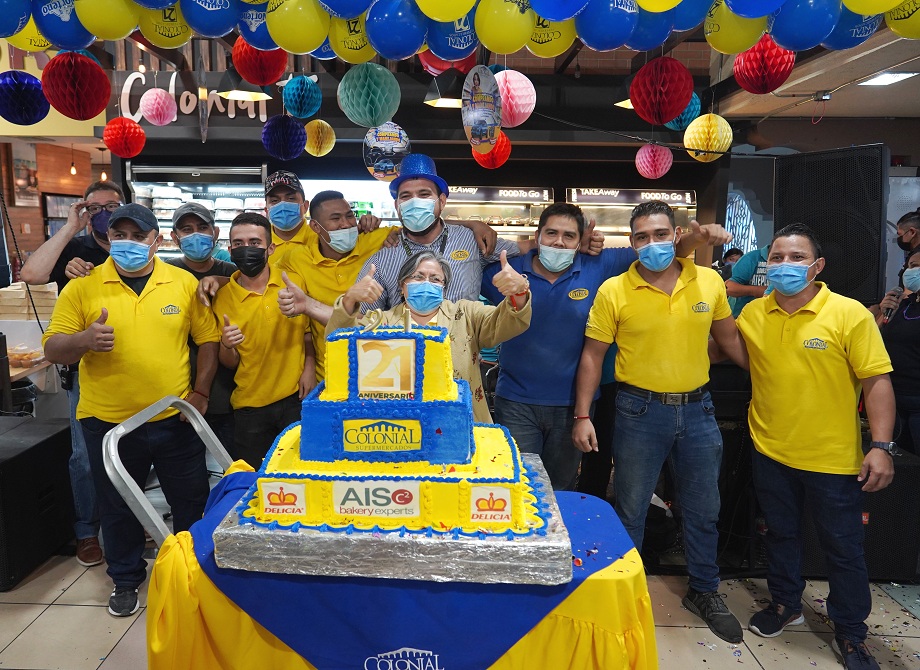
(764, 67)
(124, 138)
(76, 86)
(261, 68)
(499, 154)
(435, 66)
(661, 90)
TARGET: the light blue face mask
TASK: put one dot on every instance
(556, 260)
(197, 246)
(424, 297)
(657, 256)
(129, 256)
(342, 240)
(911, 279)
(285, 215)
(417, 214)
(788, 278)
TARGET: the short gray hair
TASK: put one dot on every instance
(411, 265)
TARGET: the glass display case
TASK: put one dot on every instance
(610, 208)
(513, 211)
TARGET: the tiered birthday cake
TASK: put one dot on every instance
(388, 445)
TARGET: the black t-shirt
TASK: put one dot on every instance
(902, 339)
(136, 284)
(219, 269)
(83, 247)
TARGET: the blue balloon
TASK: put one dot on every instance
(753, 9)
(690, 13)
(558, 10)
(21, 99)
(57, 21)
(851, 30)
(605, 25)
(210, 18)
(395, 28)
(324, 51)
(155, 4)
(453, 40)
(345, 9)
(252, 27)
(803, 24)
(14, 15)
(651, 30)
(691, 111)
(302, 97)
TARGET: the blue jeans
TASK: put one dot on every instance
(177, 453)
(645, 435)
(81, 477)
(545, 430)
(836, 505)
(907, 426)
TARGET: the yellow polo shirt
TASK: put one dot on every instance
(272, 351)
(302, 237)
(327, 279)
(151, 356)
(805, 372)
(661, 339)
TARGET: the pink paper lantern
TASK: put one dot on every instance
(518, 97)
(158, 107)
(653, 161)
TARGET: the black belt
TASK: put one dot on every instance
(666, 398)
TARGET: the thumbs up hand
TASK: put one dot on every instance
(99, 336)
(366, 291)
(230, 336)
(508, 280)
(291, 299)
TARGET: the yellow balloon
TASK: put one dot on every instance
(869, 7)
(29, 39)
(165, 28)
(348, 39)
(297, 26)
(445, 10)
(108, 19)
(709, 132)
(657, 6)
(729, 33)
(904, 20)
(551, 38)
(502, 27)
(320, 138)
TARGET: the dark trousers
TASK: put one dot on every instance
(174, 449)
(836, 505)
(256, 428)
(596, 466)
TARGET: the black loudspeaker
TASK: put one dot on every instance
(36, 504)
(843, 195)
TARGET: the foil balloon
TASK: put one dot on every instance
(481, 109)
(384, 149)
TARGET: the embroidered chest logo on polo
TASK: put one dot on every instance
(815, 343)
(170, 309)
(579, 293)
(700, 307)
(459, 255)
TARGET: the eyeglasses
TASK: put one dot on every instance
(417, 277)
(109, 207)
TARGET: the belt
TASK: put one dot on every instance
(666, 398)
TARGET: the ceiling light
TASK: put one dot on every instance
(887, 78)
(73, 165)
(621, 93)
(103, 176)
(446, 90)
(234, 87)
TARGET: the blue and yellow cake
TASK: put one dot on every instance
(387, 444)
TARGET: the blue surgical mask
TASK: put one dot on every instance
(556, 260)
(911, 279)
(657, 256)
(129, 256)
(197, 246)
(424, 297)
(100, 223)
(342, 240)
(417, 214)
(285, 215)
(788, 278)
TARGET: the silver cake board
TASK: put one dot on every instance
(536, 559)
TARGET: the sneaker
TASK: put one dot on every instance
(123, 601)
(711, 609)
(856, 655)
(771, 621)
(89, 553)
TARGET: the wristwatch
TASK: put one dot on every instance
(890, 447)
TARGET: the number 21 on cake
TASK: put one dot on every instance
(386, 369)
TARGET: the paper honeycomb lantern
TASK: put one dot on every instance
(158, 107)
(499, 154)
(691, 111)
(302, 97)
(283, 137)
(320, 138)
(258, 67)
(764, 67)
(123, 137)
(369, 95)
(76, 86)
(518, 97)
(708, 133)
(653, 161)
(21, 99)
(661, 90)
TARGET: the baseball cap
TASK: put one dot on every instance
(283, 178)
(195, 208)
(139, 214)
(418, 166)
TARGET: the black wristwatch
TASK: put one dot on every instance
(890, 447)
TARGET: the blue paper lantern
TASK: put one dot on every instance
(21, 99)
(691, 111)
(324, 52)
(82, 52)
(345, 9)
(605, 25)
(302, 97)
(210, 18)
(252, 26)
(453, 40)
(284, 137)
(396, 28)
(558, 10)
(803, 24)
(495, 68)
(851, 30)
(652, 29)
(690, 13)
(57, 21)
(14, 15)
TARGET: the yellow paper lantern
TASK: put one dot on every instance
(29, 39)
(165, 28)
(297, 26)
(729, 33)
(348, 39)
(551, 38)
(445, 10)
(870, 7)
(502, 27)
(108, 19)
(706, 133)
(904, 20)
(320, 138)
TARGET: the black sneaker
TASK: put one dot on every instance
(771, 621)
(123, 601)
(710, 608)
(856, 655)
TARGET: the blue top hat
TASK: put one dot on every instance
(418, 166)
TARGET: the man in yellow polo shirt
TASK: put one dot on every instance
(661, 313)
(272, 354)
(128, 325)
(811, 353)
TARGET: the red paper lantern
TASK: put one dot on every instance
(764, 67)
(499, 154)
(653, 160)
(661, 90)
(261, 68)
(435, 66)
(76, 86)
(124, 138)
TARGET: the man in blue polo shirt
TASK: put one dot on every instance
(749, 279)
